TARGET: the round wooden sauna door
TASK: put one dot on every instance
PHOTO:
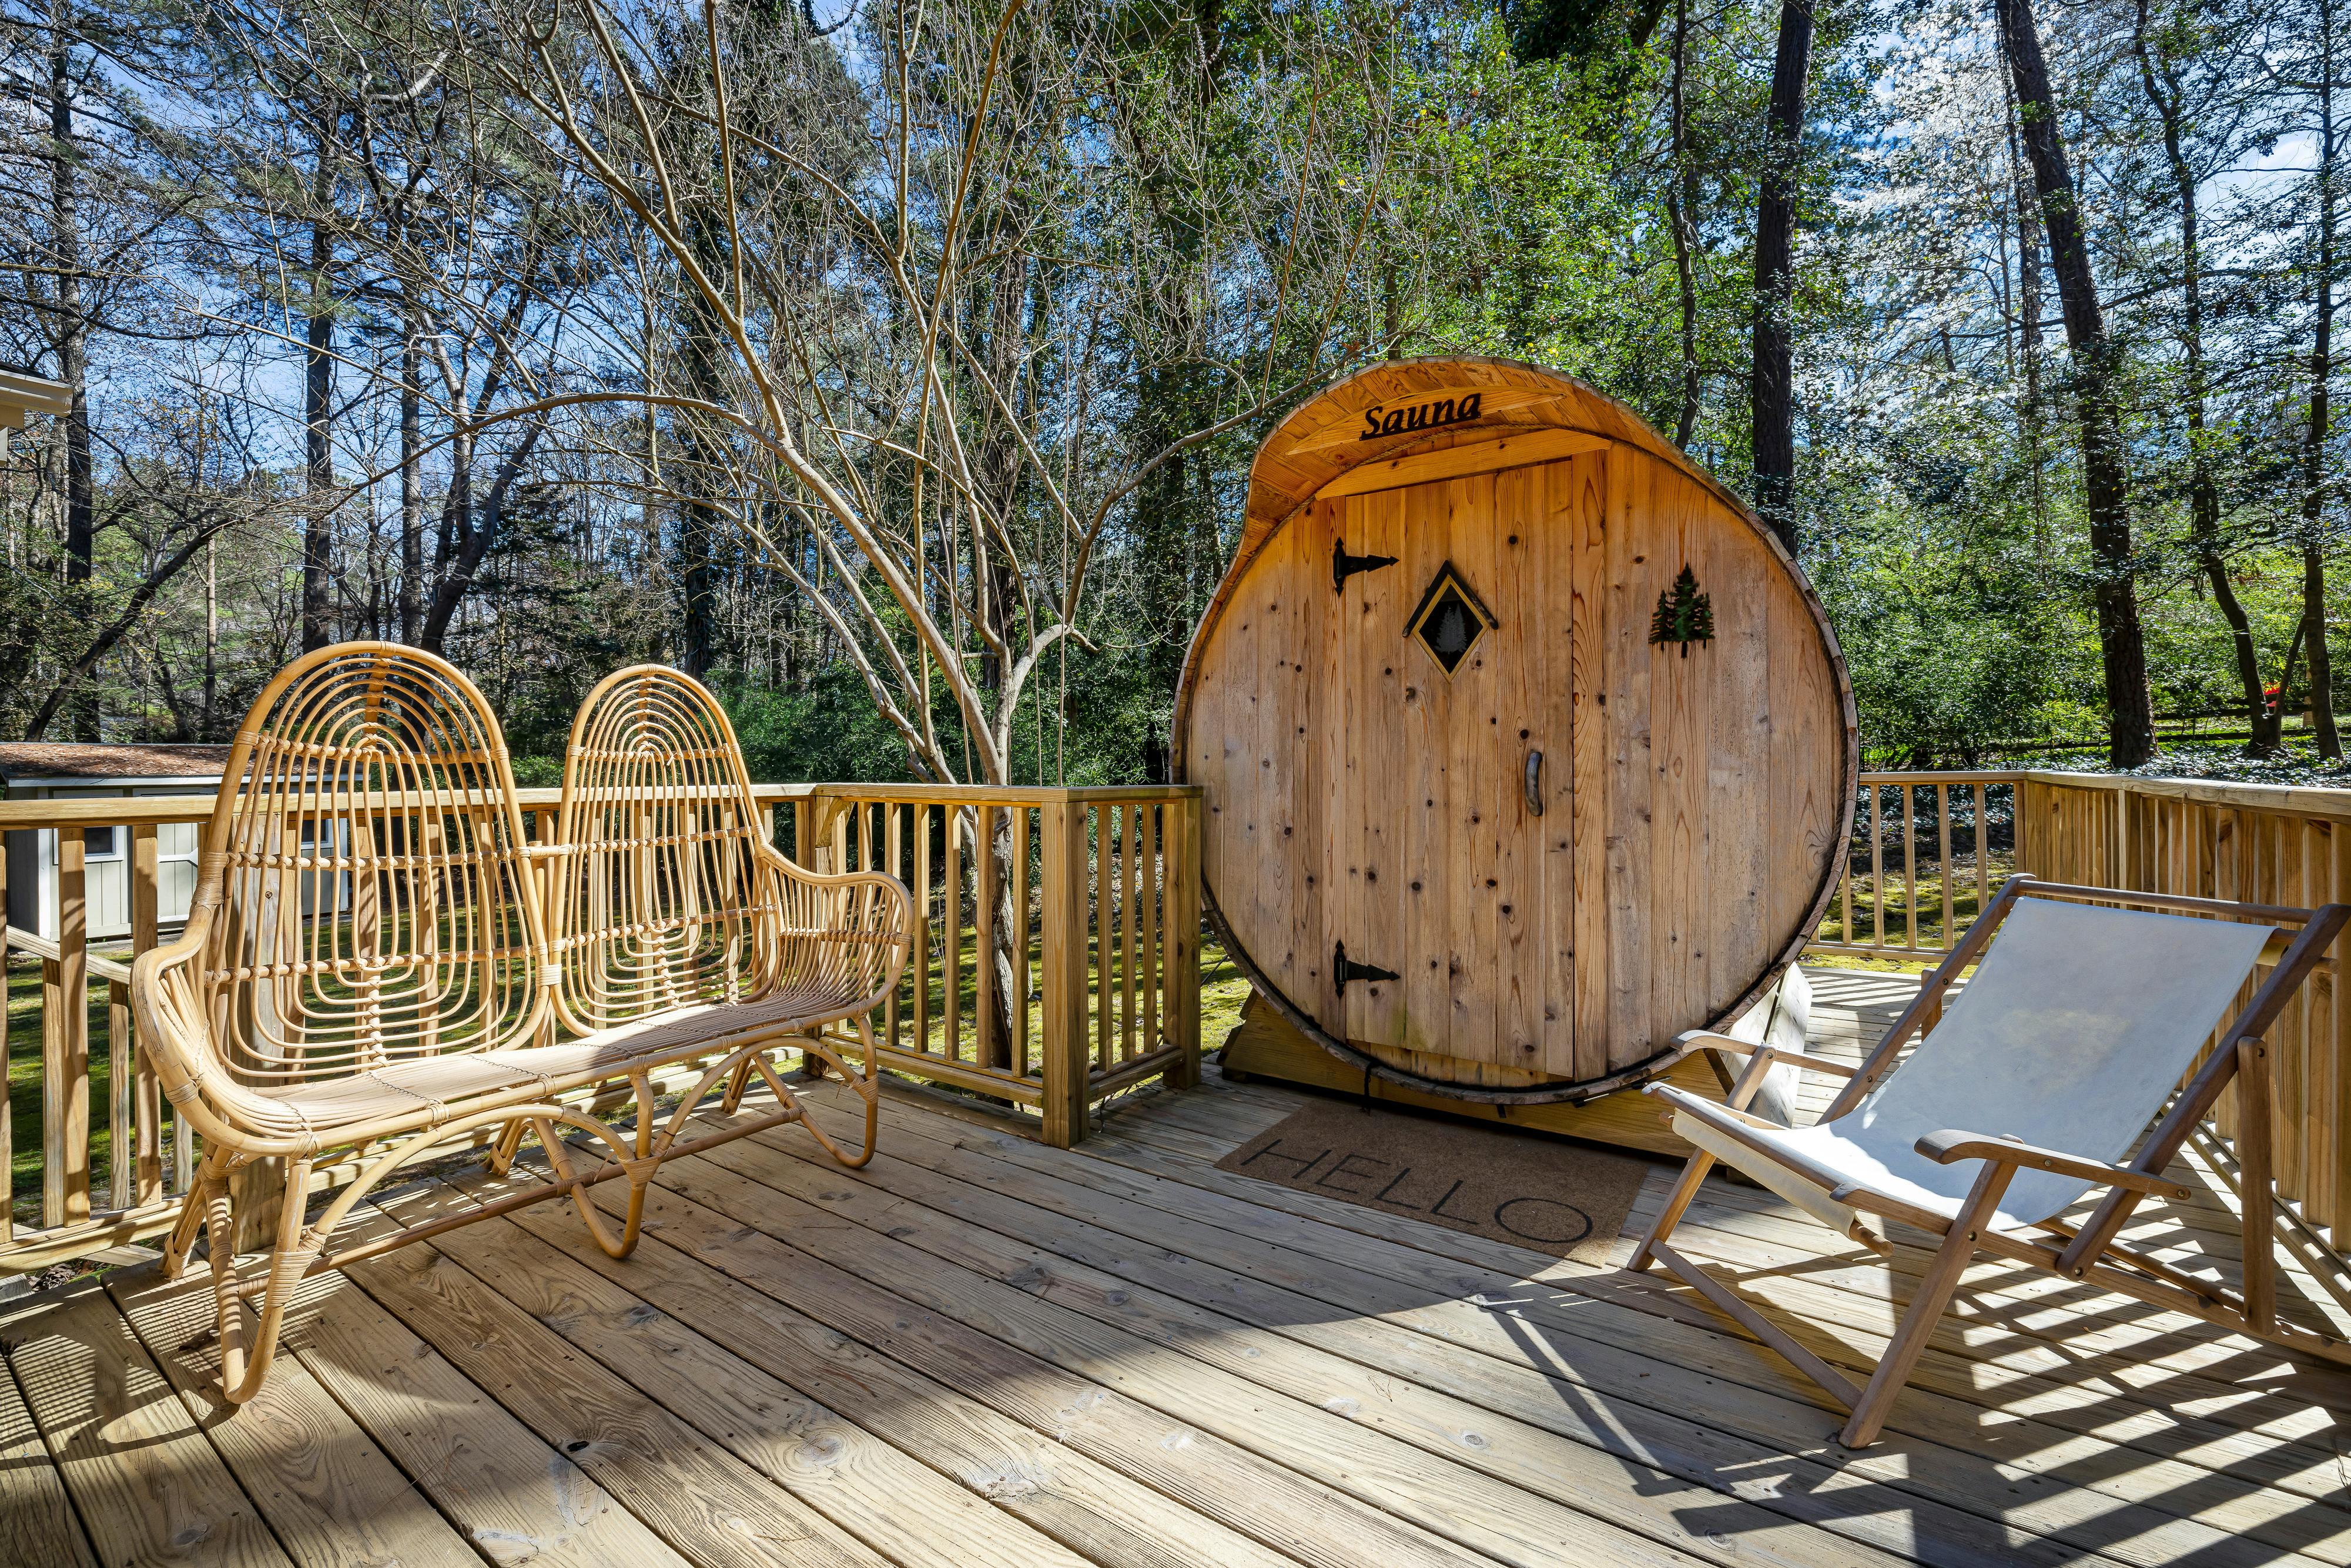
(1465, 816)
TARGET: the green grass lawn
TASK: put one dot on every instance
(1882, 915)
(25, 1089)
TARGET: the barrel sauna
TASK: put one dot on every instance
(1526, 745)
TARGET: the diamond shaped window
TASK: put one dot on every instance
(1450, 620)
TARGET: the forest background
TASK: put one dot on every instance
(895, 365)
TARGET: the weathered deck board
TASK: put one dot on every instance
(36, 1517)
(984, 1351)
(328, 1493)
(1647, 1394)
(146, 1484)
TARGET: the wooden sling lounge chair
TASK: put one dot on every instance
(2027, 1093)
(378, 966)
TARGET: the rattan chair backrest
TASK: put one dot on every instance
(660, 885)
(365, 893)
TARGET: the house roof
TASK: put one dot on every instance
(23, 761)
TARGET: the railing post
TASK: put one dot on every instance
(1067, 1059)
(1183, 938)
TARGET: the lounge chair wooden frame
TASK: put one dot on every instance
(378, 964)
(2241, 1055)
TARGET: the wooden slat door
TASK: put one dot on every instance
(1434, 865)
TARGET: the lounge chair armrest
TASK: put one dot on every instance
(1698, 1039)
(1951, 1145)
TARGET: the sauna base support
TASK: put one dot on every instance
(1265, 1045)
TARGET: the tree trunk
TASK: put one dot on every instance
(73, 344)
(1773, 391)
(2322, 373)
(698, 521)
(2203, 494)
(1681, 212)
(2322, 665)
(318, 394)
(412, 483)
(2028, 312)
(2122, 646)
(211, 638)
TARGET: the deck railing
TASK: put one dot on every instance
(1077, 969)
(1928, 851)
(1107, 979)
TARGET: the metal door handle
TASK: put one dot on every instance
(1534, 783)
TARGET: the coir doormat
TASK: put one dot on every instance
(1556, 1197)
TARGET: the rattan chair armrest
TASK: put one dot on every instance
(1951, 1145)
(900, 922)
(799, 872)
(1696, 1040)
(176, 1029)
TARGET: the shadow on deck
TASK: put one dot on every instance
(981, 1351)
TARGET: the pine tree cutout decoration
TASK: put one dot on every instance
(1683, 614)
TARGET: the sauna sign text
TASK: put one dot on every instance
(1436, 414)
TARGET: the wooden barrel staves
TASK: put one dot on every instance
(1526, 745)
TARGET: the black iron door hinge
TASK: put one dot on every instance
(1344, 971)
(1345, 566)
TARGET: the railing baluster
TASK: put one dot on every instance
(1909, 798)
(1130, 913)
(146, 1165)
(951, 926)
(894, 848)
(120, 1138)
(1020, 872)
(65, 1042)
(1878, 868)
(1153, 848)
(988, 1050)
(922, 964)
(1943, 832)
(1983, 846)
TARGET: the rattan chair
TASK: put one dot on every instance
(369, 973)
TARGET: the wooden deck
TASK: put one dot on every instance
(984, 1351)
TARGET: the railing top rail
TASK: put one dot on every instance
(100, 810)
(97, 810)
(104, 810)
(2308, 801)
(2301, 799)
(989, 794)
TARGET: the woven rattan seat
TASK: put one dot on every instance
(379, 963)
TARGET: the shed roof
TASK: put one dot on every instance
(22, 761)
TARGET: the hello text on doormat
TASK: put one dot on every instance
(1557, 1197)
